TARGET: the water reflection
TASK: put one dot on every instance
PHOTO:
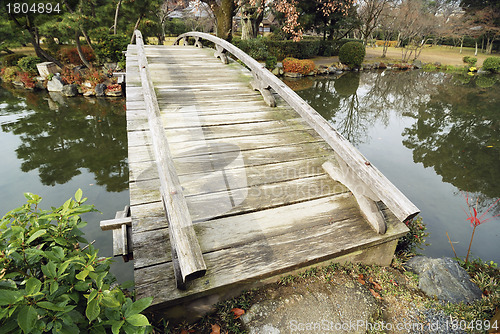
(435, 135)
(59, 139)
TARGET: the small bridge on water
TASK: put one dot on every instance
(235, 180)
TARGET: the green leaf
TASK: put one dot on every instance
(33, 286)
(36, 235)
(110, 301)
(92, 295)
(27, 318)
(49, 270)
(115, 328)
(92, 310)
(8, 284)
(138, 320)
(138, 306)
(53, 287)
(78, 195)
(82, 286)
(9, 297)
(58, 252)
(82, 275)
(50, 306)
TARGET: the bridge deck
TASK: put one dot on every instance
(261, 203)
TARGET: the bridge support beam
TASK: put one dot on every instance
(264, 89)
(198, 43)
(221, 53)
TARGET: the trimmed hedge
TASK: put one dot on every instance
(28, 64)
(492, 64)
(12, 59)
(352, 54)
(261, 48)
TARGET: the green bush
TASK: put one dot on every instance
(12, 59)
(256, 48)
(352, 54)
(471, 61)
(492, 64)
(49, 284)
(9, 74)
(271, 62)
(108, 48)
(282, 49)
(28, 64)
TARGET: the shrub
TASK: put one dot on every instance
(27, 78)
(9, 74)
(271, 62)
(70, 55)
(12, 59)
(108, 48)
(485, 81)
(293, 65)
(28, 64)
(415, 238)
(69, 76)
(286, 48)
(256, 48)
(49, 284)
(352, 54)
(492, 64)
(471, 61)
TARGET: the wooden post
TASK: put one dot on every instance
(258, 84)
(183, 239)
(220, 52)
(198, 43)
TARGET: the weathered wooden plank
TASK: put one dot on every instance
(264, 258)
(249, 228)
(199, 163)
(112, 224)
(219, 179)
(182, 236)
(220, 131)
(240, 198)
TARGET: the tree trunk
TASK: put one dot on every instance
(79, 49)
(461, 44)
(84, 33)
(475, 52)
(224, 19)
(132, 39)
(117, 11)
(40, 53)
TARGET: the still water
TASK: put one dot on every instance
(52, 145)
(436, 136)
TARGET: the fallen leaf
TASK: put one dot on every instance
(375, 284)
(215, 329)
(184, 331)
(375, 294)
(237, 312)
(360, 279)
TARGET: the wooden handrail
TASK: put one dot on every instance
(186, 251)
(371, 182)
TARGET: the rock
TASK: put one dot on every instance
(47, 68)
(417, 64)
(55, 84)
(70, 90)
(376, 65)
(382, 66)
(89, 92)
(100, 89)
(276, 71)
(282, 71)
(444, 279)
(292, 75)
(114, 93)
(18, 83)
(332, 69)
(110, 66)
(312, 308)
(437, 64)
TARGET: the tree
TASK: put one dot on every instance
(223, 10)
(485, 16)
(369, 12)
(252, 14)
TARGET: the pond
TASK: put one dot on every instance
(436, 136)
(52, 145)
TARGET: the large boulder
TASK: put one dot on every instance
(55, 84)
(444, 279)
(70, 90)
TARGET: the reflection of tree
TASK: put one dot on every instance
(457, 133)
(76, 135)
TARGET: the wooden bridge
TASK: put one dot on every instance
(235, 180)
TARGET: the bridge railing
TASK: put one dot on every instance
(187, 257)
(366, 182)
